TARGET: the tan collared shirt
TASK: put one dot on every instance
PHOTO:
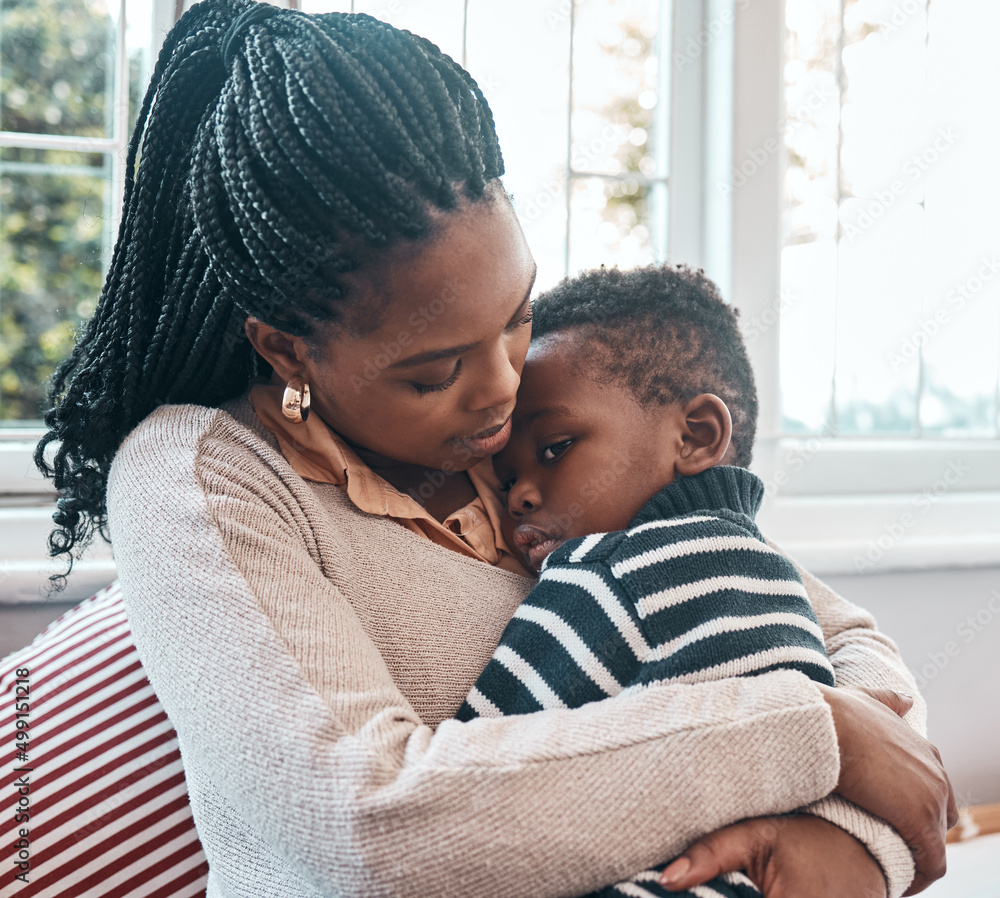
(317, 453)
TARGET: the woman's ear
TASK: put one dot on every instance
(283, 352)
(706, 431)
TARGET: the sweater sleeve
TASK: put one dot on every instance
(310, 773)
(863, 657)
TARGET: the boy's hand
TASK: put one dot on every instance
(786, 857)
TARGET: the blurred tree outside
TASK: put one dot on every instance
(618, 176)
(57, 64)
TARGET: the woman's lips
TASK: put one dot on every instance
(487, 442)
(536, 545)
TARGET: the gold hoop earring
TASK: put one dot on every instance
(295, 401)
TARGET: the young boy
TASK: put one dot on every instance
(627, 488)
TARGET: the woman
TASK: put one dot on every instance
(303, 561)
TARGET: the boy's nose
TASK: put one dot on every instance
(523, 498)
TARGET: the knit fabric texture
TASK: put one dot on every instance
(311, 658)
(691, 592)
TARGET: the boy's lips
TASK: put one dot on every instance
(535, 544)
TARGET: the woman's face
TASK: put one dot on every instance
(433, 386)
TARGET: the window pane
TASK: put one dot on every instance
(807, 310)
(960, 366)
(142, 49)
(57, 67)
(960, 325)
(439, 21)
(807, 307)
(53, 230)
(531, 123)
(883, 118)
(615, 89)
(879, 292)
(615, 223)
(910, 167)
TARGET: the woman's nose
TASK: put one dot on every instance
(498, 383)
(523, 498)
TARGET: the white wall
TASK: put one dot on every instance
(947, 626)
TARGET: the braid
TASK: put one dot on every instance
(279, 151)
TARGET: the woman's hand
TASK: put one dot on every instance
(893, 773)
(786, 857)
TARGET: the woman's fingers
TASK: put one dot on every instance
(899, 702)
(893, 773)
(786, 857)
(724, 851)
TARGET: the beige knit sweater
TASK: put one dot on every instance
(310, 657)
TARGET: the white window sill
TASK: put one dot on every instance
(881, 533)
(864, 506)
(25, 567)
(25, 523)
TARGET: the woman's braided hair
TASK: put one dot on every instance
(278, 152)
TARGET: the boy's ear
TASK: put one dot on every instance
(706, 432)
(283, 352)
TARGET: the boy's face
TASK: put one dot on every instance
(583, 458)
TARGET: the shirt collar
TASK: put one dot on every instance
(318, 453)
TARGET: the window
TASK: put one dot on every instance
(71, 76)
(891, 293)
(642, 130)
(880, 431)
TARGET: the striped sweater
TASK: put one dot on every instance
(690, 592)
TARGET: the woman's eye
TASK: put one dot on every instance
(443, 385)
(525, 320)
(554, 450)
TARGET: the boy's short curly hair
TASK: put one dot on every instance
(662, 331)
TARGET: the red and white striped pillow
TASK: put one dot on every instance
(107, 805)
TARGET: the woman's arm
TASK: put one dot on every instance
(864, 658)
(787, 857)
(790, 857)
(303, 757)
(861, 656)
